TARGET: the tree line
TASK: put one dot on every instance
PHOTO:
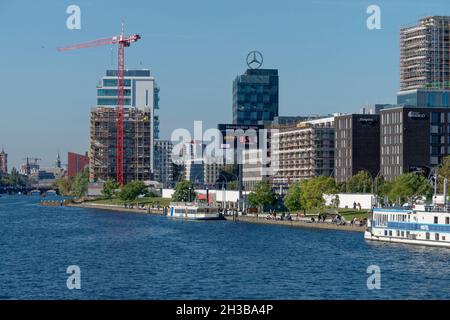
(309, 194)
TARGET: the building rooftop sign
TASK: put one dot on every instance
(416, 115)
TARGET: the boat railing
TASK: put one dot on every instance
(437, 209)
(190, 204)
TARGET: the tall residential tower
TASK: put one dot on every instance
(425, 54)
(140, 127)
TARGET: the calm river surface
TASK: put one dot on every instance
(136, 256)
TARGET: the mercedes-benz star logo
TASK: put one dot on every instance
(254, 60)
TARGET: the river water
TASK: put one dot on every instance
(136, 256)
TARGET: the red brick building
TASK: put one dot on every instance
(76, 163)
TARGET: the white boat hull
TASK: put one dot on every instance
(194, 212)
(195, 216)
(426, 226)
(371, 237)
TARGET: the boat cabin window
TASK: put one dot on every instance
(427, 236)
(436, 236)
(436, 220)
(381, 220)
(447, 220)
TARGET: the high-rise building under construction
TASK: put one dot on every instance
(140, 127)
(425, 54)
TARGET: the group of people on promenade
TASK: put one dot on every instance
(356, 206)
(321, 218)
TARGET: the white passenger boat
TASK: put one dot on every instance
(420, 224)
(193, 211)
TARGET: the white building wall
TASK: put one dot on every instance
(346, 200)
(144, 89)
(218, 195)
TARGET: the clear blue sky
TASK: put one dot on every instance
(328, 60)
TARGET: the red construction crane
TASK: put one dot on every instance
(121, 42)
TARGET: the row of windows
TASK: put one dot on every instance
(439, 117)
(396, 139)
(406, 234)
(112, 92)
(391, 117)
(111, 102)
(392, 170)
(113, 82)
(391, 160)
(398, 128)
(390, 150)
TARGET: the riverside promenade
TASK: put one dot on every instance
(238, 219)
(296, 223)
(117, 208)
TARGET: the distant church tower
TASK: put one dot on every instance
(3, 163)
(58, 161)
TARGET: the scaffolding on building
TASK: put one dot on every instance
(425, 54)
(137, 144)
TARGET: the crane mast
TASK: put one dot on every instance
(121, 42)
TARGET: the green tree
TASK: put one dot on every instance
(261, 195)
(132, 190)
(232, 185)
(360, 182)
(15, 179)
(409, 187)
(80, 183)
(335, 201)
(443, 172)
(379, 185)
(109, 188)
(292, 198)
(64, 186)
(181, 193)
(313, 190)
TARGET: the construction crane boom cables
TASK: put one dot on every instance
(122, 42)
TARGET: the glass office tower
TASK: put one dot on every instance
(255, 96)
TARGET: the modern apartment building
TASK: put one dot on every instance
(255, 168)
(425, 54)
(203, 171)
(213, 168)
(304, 151)
(141, 91)
(357, 145)
(141, 126)
(237, 138)
(413, 139)
(163, 165)
(255, 96)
